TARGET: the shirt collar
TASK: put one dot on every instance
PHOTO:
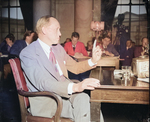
(73, 45)
(45, 47)
(104, 46)
(27, 43)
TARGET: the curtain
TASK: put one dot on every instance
(27, 12)
(147, 5)
(108, 9)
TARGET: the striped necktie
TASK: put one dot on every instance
(53, 60)
(74, 48)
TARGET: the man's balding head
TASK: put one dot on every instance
(44, 21)
(48, 29)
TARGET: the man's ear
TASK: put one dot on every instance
(44, 30)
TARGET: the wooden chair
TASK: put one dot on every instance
(24, 94)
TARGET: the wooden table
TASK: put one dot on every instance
(105, 62)
(109, 62)
(121, 94)
(136, 92)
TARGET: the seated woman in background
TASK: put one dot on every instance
(67, 40)
(127, 55)
(7, 44)
(89, 48)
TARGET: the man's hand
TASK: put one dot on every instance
(96, 54)
(78, 55)
(109, 54)
(89, 83)
(10, 43)
(142, 53)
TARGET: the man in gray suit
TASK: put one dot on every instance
(43, 75)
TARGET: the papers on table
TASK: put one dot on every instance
(4, 56)
(143, 79)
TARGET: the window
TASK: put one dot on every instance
(11, 19)
(135, 19)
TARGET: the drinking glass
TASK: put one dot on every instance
(124, 69)
(129, 71)
(125, 80)
(126, 74)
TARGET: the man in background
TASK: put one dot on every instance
(142, 49)
(128, 54)
(7, 44)
(76, 50)
(75, 47)
(109, 48)
(29, 37)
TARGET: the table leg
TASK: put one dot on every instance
(96, 114)
(100, 73)
(117, 64)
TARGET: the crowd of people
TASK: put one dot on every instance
(75, 48)
(12, 47)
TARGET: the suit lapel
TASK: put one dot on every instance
(45, 61)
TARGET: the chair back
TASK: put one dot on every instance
(19, 78)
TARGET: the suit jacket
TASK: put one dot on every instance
(4, 48)
(137, 51)
(127, 56)
(80, 48)
(111, 48)
(44, 77)
(17, 47)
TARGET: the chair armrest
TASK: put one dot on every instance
(57, 98)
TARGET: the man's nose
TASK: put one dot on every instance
(59, 33)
